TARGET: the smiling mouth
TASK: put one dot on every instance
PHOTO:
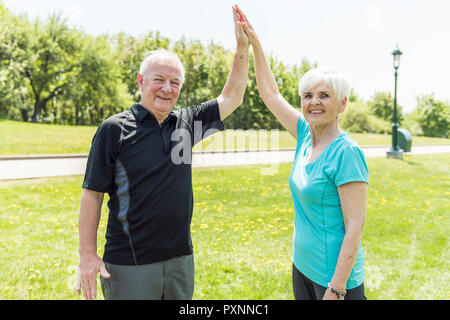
(316, 111)
(165, 99)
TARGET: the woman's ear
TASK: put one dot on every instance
(343, 105)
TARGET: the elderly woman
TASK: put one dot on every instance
(328, 182)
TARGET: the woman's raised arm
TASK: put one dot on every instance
(267, 85)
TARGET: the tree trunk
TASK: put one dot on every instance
(24, 115)
(36, 112)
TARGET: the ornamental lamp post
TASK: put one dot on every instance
(395, 152)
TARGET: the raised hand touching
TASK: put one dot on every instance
(248, 29)
(241, 38)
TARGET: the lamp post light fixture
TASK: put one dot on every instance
(395, 152)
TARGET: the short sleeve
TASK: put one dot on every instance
(351, 166)
(205, 116)
(302, 128)
(99, 175)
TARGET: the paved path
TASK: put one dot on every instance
(64, 165)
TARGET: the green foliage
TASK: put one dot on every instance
(353, 96)
(378, 125)
(195, 58)
(411, 123)
(254, 114)
(54, 60)
(382, 106)
(98, 91)
(207, 69)
(15, 38)
(357, 118)
(53, 73)
(434, 116)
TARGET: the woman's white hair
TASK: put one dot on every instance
(330, 76)
(160, 55)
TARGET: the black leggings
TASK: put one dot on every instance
(305, 289)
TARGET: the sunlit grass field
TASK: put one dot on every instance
(20, 138)
(242, 233)
(23, 138)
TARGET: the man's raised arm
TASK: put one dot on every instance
(233, 93)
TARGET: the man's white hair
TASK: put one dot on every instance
(160, 55)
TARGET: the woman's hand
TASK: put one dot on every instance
(267, 85)
(248, 29)
(331, 296)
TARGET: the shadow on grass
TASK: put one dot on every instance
(411, 161)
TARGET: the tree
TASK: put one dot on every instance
(51, 72)
(353, 96)
(97, 92)
(15, 38)
(218, 64)
(195, 59)
(382, 106)
(411, 122)
(54, 73)
(53, 61)
(434, 116)
(355, 118)
(253, 113)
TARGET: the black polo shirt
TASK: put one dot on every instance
(146, 170)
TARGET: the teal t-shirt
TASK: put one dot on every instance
(319, 223)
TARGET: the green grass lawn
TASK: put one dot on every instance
(242, 233)
(23, 138)
(20, 138)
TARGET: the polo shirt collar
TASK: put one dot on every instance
(141, 113)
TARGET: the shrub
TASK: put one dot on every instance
(434, 117)
(355, 118)
(377, 125)
(411, 123)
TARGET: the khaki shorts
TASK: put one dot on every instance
(172, 279)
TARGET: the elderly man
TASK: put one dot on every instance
(148, 251)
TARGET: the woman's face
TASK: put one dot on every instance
(320, 105)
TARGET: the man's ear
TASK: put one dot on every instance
(140, 81)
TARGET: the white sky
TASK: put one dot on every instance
(356, 36)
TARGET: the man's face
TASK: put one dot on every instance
(160, 86)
